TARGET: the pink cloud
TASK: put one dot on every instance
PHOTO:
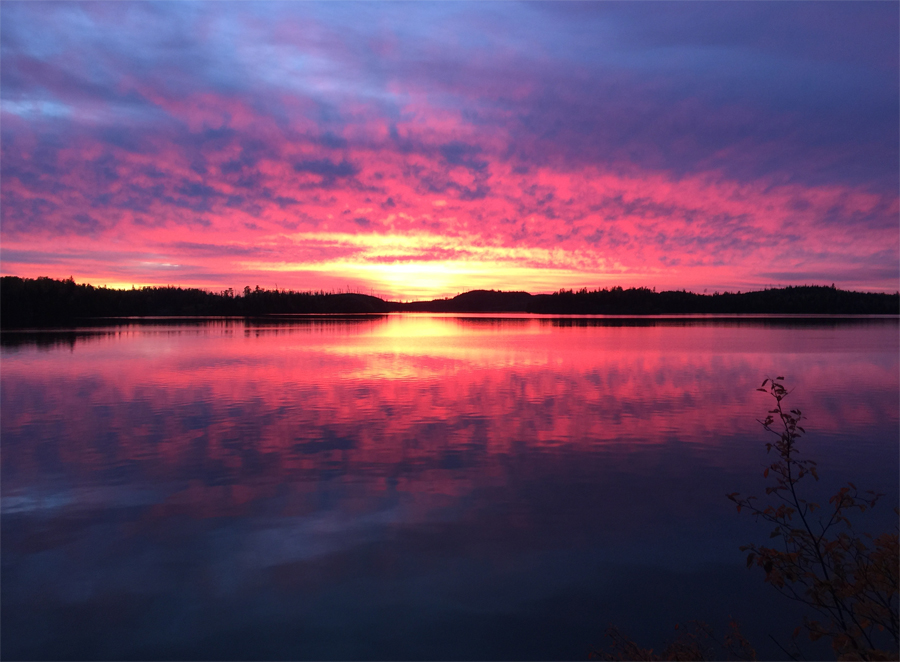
(334, 165)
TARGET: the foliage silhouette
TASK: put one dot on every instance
(695, 643)
(848, 579)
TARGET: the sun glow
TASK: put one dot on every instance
(416, 280)
(425, 266)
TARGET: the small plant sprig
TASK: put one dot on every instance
(696, 642)
(850, 580)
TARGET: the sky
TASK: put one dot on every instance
(419, 150)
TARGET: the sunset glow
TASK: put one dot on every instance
(418, 150)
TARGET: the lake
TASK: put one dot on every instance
(413, 486)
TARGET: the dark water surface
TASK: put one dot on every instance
(412, 486)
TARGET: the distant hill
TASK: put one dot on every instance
(47, 302)
(476, 301)
(814, 300)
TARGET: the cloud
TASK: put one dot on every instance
(692, 147)
(328, 170)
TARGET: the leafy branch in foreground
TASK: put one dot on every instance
(850, 580)
(692, 644)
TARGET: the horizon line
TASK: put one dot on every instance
(358, 291)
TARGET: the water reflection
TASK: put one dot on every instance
(407, 486)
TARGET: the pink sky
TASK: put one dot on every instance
(421, 151)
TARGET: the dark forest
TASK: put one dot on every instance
(45, 302)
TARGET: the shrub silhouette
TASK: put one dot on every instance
(695, 643)
(849, 580)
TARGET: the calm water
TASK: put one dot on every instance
(411, 486)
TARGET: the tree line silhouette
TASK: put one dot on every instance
(26, 302)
